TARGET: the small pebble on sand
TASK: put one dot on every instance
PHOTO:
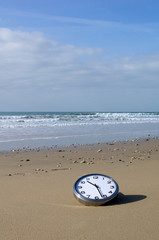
(99, 150)
(74, 161)
(83, 161)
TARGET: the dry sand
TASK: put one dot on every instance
(36, 193)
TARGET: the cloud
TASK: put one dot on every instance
(28, 60)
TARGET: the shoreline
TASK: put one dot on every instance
(26, 147)
(37, 199)
(35, 137)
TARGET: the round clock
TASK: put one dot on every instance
(95, 189)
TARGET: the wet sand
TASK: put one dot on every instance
(37, 199)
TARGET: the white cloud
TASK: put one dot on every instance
(29, 60)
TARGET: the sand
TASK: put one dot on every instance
(36, 192)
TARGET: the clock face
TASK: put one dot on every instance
(95, 189)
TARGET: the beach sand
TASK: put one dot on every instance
(36, 192)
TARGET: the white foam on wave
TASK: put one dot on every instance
(74, 119)
(69, 129)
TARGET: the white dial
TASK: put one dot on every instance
(95, 189)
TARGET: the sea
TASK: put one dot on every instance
(49, 129)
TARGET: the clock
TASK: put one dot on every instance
(95, 189)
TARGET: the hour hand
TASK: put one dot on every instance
(92, 183)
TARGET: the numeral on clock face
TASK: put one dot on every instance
(95, 177)
(104, 196)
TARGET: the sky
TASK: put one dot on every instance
(87, 55)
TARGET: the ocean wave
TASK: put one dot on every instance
(33, 120)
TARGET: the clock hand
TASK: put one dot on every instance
(98, 188)
(92, 184)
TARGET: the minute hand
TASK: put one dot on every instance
(99, 190)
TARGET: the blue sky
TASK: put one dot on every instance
(83, 55)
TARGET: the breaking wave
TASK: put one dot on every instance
(54, 119)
